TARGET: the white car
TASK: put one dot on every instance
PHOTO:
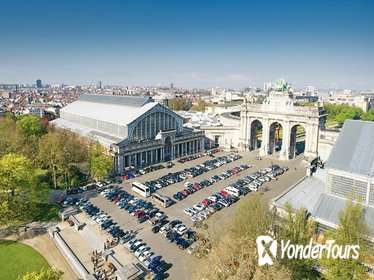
(188, 212)
(192, 248)
(145, 255)
(187, 184)
(163, 230)
(140, 250)
(182, 230)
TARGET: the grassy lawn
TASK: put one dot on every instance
(16, 259)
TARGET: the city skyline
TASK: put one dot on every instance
(190, 44)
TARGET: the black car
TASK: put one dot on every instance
(174, 223)
(162, 267)
(184, 245)
(142, 219)
(156, 229)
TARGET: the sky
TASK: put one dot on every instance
(190, 43)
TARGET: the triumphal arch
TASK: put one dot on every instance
(279, 117)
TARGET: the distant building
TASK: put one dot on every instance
(98, 84)
(6, 95)
(38, 83)
(310, 90)
(135, 130)
(267, 87)
(171, 86)
(359, 101)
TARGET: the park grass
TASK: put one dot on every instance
(16, 259)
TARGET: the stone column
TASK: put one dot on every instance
(162, 154)
(286, 141)
(265, 138)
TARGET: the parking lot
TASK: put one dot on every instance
(160, 244)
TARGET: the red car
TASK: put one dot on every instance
(185, 192)
(234, 171)
(205, 202)
(196, 187)
(225, 194)
(139, 213)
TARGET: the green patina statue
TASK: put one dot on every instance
(282, 86)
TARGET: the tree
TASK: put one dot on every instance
(234, 254)
(299, 230)
(31, 125)
(369, 116)
(352, 230)
(51, 154)
(100, 163)
(17, 188)
(44, 274)
(60, 152)
(177, 104)
(11, 137)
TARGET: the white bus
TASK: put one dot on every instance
(162, 200)
(141, 189)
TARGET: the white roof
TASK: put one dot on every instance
(118, 114)
(104, 138)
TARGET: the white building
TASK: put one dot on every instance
(136, 130)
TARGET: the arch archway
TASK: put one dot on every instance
(297, 140)
(167, 151)
(275, 138)
(256, 134)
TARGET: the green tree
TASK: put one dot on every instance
(369, 116)
(60, 152)
(351, 230)
(31, 125)
(234, 254)
(299, 230)
(51, 154)
(349, 114)
(44, 274)
(17, 188)
(100, 163)
(11, 137)
(177, 104)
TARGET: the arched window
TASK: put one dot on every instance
(149, 126)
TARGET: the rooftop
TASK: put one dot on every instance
(136, 101)
(353, 151)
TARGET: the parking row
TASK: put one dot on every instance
(191, 188)
(134, 245)
(177, 233)
(199, 155)
(197, 170)
(232, 193)
(151, 261)
(130, 174)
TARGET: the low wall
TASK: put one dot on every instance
(68, 254)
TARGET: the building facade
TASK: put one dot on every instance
(136, 131)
